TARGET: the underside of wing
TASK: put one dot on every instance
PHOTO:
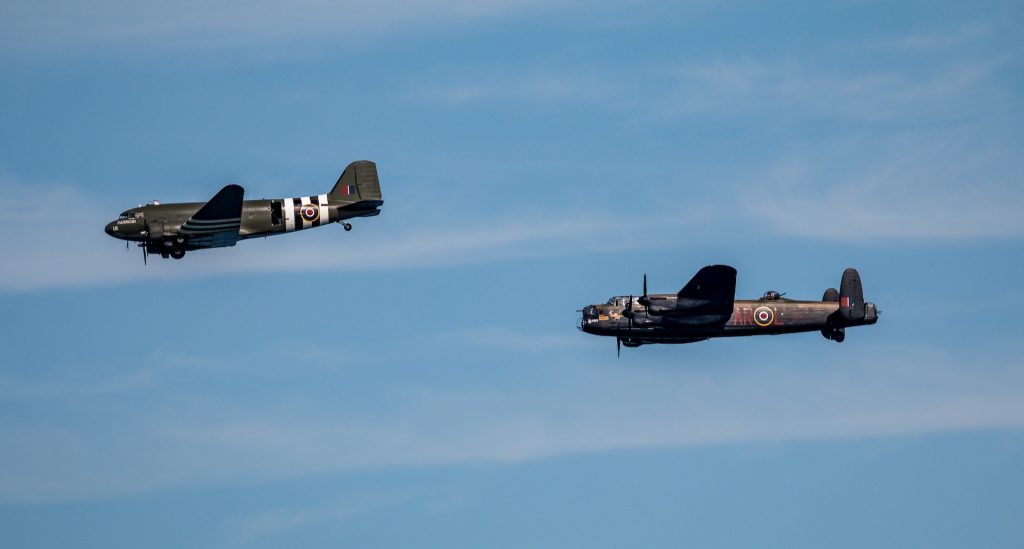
(217, 223)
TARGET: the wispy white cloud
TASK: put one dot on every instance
(796, 89)
(959, 183)
(60, 26)
(611, 407)
(516, 340)
(274, 521)
(515, 87)
(70, 249)
(12, 388)
(962, 182)
(804, 87)
(933, 40)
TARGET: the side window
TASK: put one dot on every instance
(275, 212)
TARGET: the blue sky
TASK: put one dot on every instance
(419, 381)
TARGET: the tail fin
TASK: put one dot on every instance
(851, 296)
(357, 183)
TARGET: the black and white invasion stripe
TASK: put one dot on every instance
(293, 218)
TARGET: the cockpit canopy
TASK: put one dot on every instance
(133, 213)
(771, 295)
(619, 301)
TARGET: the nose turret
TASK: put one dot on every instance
(587, 316)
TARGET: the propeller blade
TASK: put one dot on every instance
(644, 300)
(618, 346)
(145, 256)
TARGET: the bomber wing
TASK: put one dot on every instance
(216, 224)
(707, 299)
(712, 284)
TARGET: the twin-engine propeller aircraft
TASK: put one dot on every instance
(173, 229)
(706, 307)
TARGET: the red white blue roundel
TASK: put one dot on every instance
(764, 316)
(310, 212)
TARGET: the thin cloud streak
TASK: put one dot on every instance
(514, 340)
(744, 87)
(961, 183)
(876, 95)
(55, 27)
(71, 249)
(274, 521)
(901, 392)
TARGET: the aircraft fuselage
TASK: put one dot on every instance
(260, 218)
(749, 317)
(173, 229)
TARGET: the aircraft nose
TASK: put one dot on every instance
(111, 229)
(586, 314)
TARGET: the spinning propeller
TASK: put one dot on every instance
(145, 248)
(643, 300)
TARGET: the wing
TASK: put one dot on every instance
(708, 297)
(712, 283)
(216, 224)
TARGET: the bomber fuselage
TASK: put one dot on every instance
(749, 317)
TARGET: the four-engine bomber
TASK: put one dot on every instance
(706, 307)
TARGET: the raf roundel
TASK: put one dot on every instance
(310, 212)
(764, 316)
